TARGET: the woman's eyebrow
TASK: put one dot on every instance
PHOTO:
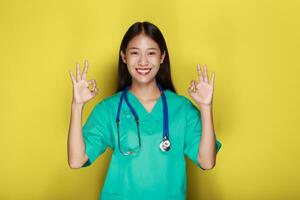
(133, 48)
(153, 48)
(147, 48)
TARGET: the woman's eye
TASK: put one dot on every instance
(133, 53)
(152, 53)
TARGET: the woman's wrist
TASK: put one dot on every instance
(77, 105)
(205, 106)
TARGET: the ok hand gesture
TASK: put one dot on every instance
(81, 91)
(202, 92)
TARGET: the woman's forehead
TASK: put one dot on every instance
(142, 41)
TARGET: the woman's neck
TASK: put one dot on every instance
(145, 92)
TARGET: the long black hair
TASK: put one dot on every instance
(163, 76)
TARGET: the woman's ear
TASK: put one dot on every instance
(162, 57)
(123, 56)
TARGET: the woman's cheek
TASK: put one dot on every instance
(131, 63)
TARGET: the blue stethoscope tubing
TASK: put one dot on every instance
(165, 143)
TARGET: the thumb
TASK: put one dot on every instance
(95, 91)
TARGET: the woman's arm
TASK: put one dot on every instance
(81, 94)
(207, 145)
(76, 149)
(202, 93)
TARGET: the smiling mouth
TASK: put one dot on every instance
(143, 71)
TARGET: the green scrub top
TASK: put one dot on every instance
(151, 173)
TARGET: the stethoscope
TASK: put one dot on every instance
(165, 144)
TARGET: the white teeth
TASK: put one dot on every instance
(143, 71)
(140, 70)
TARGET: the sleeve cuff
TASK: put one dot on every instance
(218, 146)
(90, 155)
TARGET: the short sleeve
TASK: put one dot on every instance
(95, 133)
(193, 133)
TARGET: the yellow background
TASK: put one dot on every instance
(251, 45)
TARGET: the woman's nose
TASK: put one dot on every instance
(143, 60)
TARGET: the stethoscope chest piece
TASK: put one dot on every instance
(165, 145)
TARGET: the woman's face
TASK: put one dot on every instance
(143, 58)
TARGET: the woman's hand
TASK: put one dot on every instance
(81, 91)
(202, 92)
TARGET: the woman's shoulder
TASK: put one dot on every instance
(176, 97)
(110, 100)
(181, 101)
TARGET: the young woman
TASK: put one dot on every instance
(149, 127)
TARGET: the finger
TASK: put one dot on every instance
(85, 69)
(78, 72)
(190, 90)
(93, 83)
(194, 85)
(211, 82)
(205, 73)
(72, 77)
(191, 87)
(199, 73)
(95, 92)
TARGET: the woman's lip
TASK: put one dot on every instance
(147, 71)
(143, 68)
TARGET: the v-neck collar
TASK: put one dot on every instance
(143, 114)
